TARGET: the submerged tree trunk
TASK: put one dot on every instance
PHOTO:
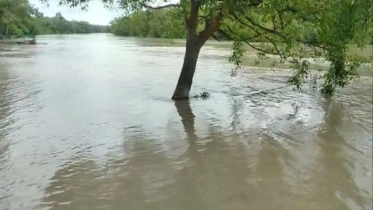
(193, 46)
(185, 81)
(192, 49)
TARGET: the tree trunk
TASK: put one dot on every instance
(184, 83)
(193, 46)
(7, 30)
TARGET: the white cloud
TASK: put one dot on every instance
(96, 13)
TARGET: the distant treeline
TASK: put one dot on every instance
(19, 17)
(166, 24)
(58, 25)
(158, 24)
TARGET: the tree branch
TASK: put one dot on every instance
(210, 28)
(317, 44)
(281, 21)
(228, 37)
(255, 3)
(261, 27)
(273, 18)
(247, 42)
(278, 52)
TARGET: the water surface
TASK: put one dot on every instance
(86, 122)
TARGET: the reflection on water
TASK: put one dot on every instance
(91, 127)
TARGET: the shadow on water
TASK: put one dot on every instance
(211, 172)
(187, 118)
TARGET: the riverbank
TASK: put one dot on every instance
(251, 59)
(18, 40)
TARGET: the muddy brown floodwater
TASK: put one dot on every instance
(86, 122)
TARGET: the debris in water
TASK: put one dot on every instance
(204, 95)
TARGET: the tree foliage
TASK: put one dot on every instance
(300, 30)
(14, 16)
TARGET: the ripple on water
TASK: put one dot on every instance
(87, 126)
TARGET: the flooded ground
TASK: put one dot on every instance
(86, 122)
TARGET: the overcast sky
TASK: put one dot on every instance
(96, 13)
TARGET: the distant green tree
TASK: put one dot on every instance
(18, 17)
(158, 24)
(14, 15)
